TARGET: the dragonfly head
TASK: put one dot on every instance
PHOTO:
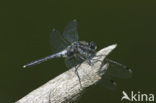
(92, 45)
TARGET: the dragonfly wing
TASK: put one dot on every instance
(118, 70)
(73, 61)
(107, 82)
(57, 41)
(115, 70)
(70, 32)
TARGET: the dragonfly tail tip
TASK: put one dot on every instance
(24, 66)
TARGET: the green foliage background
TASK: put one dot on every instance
(24, 36)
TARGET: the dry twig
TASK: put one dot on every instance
(65, 88)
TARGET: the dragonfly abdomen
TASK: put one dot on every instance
(57, 55)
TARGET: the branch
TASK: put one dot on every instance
(66, 87)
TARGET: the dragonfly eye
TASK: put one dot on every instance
(92, 45)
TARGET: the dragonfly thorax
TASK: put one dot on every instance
(81, 48)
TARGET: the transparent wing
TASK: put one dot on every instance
(72, 61)
(118, 70)
(115, 70)
(107, 82)
(57, 41)
(70, 32)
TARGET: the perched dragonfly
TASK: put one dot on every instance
(75, 52)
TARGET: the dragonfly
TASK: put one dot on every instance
(68, 46)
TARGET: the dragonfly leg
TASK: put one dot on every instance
(89, 62)
(92, 62)
(76, 72)
(97, 60)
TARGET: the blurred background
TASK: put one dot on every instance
(24, 36)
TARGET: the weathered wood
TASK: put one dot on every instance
(66, 87)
